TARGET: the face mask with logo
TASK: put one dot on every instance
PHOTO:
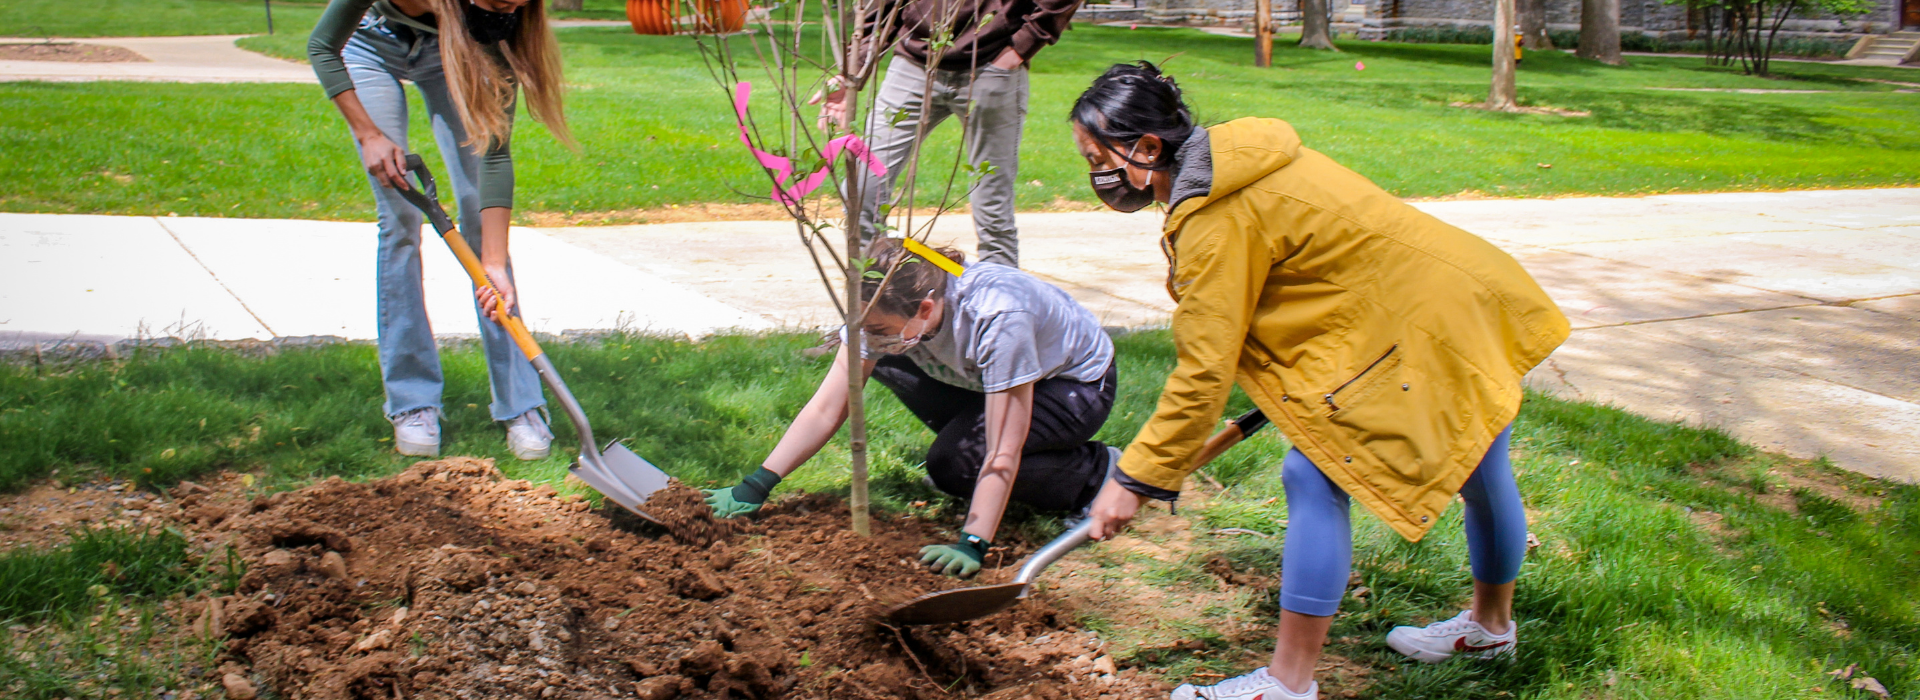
(489, 27)
(1118, 191)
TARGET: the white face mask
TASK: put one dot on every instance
(897, 343)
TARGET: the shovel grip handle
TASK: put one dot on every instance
(426, 198)
(1240, 429)
(511, 321)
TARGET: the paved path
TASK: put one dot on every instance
(186, 59)
(1791, 319)
(171, 59)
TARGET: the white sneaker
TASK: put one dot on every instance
(1460, 636)
(528, 436)
(1253, 686)
(416, 433)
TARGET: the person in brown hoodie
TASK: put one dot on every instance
(979, 76)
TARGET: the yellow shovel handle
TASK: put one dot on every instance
(510, 320)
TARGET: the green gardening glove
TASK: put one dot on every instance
(744, 498)
(959, 560)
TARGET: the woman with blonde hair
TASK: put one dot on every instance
(469, 59)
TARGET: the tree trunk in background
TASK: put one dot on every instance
(1263, 33)
(1501, 95)
(1314, 26)
(1600, 31)
(573, 5)
(1533, 25)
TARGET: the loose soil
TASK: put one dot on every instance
(69, 52)
(447, 582)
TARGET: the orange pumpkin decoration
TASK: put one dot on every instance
(723, 16)
(651, 16)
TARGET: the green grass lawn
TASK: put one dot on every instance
(84, 18)
(655, 130)
(1675, 562)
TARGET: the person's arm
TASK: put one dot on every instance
(382, 158)
(809, 431)
(817, 422)
(1009, 417)
(495, 183)
(1043, 27)
(1223, 267)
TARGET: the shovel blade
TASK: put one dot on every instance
(957, 605)
(623, 476)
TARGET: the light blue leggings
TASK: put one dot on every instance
(1319, 548)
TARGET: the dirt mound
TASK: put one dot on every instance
(446, 582)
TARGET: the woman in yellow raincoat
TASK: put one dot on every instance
(1388, 345)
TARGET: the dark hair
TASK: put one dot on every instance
(1132, 100)
(916, 279)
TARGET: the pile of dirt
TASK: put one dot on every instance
(448, 582)
(70, 52)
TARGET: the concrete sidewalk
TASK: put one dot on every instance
(170, 59)
(1791, 319)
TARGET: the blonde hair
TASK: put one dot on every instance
(481, 90)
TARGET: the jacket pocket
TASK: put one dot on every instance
(1357, 388)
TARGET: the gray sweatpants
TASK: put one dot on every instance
(992, 106)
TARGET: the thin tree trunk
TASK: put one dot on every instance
(850, 61)
(1501, 95)
(1600, 31)
(1263, 33)
(1533, 25)
(1314, 26)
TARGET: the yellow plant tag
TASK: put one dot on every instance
(932, 256)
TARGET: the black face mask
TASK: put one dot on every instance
(490, 27)
(1117, 190)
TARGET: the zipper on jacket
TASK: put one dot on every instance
(1343, 386)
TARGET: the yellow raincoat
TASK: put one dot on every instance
(1388, 345)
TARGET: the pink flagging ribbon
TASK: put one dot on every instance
(782, 167)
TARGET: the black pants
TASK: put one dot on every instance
(1062, 466)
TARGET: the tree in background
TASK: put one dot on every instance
(1501, 96)
(1600, 32)
(573, 5)
(1533, 25)
(1316, 25)
(1743, 32)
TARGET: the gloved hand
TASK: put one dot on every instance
(744, 498)
(724, 504)
(960, 560)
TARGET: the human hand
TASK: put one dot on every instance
(1008, 59)
(501, 289)
(724, 505)
(1112, 510)
(838, 110)
(386, 161)
(960, 560)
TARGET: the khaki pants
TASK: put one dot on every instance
(992, 106)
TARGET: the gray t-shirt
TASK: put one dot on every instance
(1002, 328)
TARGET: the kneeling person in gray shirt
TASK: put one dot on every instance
(1012, 375)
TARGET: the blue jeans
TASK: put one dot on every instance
(378, 57)
(1318, 554)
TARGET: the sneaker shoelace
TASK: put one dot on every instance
(1242, 684)
(417, 418)
(1455, 626)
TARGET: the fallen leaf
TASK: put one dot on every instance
(1547, 166)
(1867, 683)
(1841, 674)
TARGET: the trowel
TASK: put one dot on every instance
(962, 604)
(614, 471)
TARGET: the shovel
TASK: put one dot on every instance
(616, 471)
(962, 604)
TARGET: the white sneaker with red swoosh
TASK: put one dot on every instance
(1443, 640)
(1253, 686)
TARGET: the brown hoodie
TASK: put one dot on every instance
(981, 29)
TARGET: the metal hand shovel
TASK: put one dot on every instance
(962, 604)
(616, 471)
